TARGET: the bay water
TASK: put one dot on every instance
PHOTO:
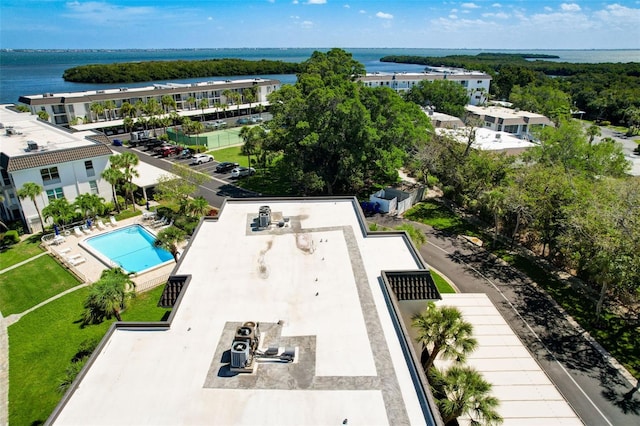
(30, 72)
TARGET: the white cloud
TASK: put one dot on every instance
(383, 15)
(100, 12)
(496, 5)
(617, 15)
(570, 7)
(548, 9)
(316, 1)
(306, 24)
(469, 6)
(499, 15)
(209, 18)
(294, 2)
(362, 11)
(452, 16)
(346, 6)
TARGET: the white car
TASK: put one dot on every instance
(201, 158)
(239, 172)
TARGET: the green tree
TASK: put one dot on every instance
(462, 390)
(108, 296)
(114, 176)
(31, 190)
(198, 206)
(417, 236)
(249, 95)
(109, 108)
(43, 115)
(168, 103)
(127, 110)
(494, 200)
(252, 137)
(593, 131)
(443, 330)
(447, 96)
(181, 188)
(126, 163)
(191, 102)
(631, 117)
(97, 108)
(203, 104)
(542, 99)
(89, 205)
(59, 211)
(169, 238)
(337, 136)
(127, 122)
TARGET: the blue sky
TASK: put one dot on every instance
(497, 24)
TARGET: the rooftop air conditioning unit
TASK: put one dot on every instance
(32, 146)
(498, 135)
(246, 332)
(239, 354)
(10, 131)
(124, 89)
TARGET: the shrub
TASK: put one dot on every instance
(11, 237)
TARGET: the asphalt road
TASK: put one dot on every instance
(598, 393)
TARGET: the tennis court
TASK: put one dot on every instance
(212, 140)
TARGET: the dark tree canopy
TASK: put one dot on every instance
(337, 136)
(446, 96)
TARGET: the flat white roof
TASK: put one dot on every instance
(314, 284)
(23, 128)
(487, 139)
(527, 396)
(507, 113)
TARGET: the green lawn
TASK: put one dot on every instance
(34, 282)
(440, 218)
(21, 251)
(232, 154)
(43, 343)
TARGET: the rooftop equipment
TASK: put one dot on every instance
(264, 216)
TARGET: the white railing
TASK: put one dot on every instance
(148, 285)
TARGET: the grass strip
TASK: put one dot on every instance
(20, 252)
(43, 343)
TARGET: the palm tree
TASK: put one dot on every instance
(175, 117)
(203, 104)
(252, 137)
(198, 206)
(126, 162)
(31, 190)
(191, 101)
(97, 108)
(127, 110)
(197, 127)
(168, 103)
(442, 330)
(109, 106)
(229, 98)
(113, 175)
(89, 205)
(169, 238)
(461, 390)
(139, 107)
(127, 122)
(108, 296)
(260, 109)
(249, 95)
(60, 211)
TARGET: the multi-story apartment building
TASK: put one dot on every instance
(476, 82)
(76, 108)
(63, 163)
(509, 120)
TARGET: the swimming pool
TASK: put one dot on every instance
(130, 247)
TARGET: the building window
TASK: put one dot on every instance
(50, 175)
(54, 194)
(94, 187)
(513, 129)
(479, 82)
(88, 165)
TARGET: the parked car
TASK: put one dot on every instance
(239, 172)
(116, 142)
(242, 120)
(166, 151)
(225, 167)
(219, 123)
(151, 144)
(256, 119)
(201, 158)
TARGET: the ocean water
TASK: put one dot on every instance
(40, 71)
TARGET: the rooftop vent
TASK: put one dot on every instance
(32, 146)
(10, 131)
(124, 89)
(264, 216)
(100, 91)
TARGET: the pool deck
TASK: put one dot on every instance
(90, 269)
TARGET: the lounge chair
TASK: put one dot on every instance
(148, 215)
(73, 257)
(86, 230)
(159, 222)
(65, 250)
(101, 225)
(78, 231)
(113, 221)
(77, 260)
(58, 239)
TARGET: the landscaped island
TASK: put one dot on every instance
(134, 72)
